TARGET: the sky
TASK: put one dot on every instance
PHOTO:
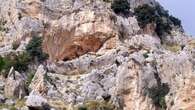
(184, 10)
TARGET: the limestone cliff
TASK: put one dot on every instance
(97, 58)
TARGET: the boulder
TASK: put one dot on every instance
(36, 102)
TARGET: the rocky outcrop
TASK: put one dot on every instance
(177, 71)
(97, 57)
(18, 27)
(14, 85)
(78, 34)
(130, 74)
(39, 82)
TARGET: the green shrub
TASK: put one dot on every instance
(145, 14)
(161, 11)
(175, 21)
(2, 63)
(96, 105)
(164, 22)
(7, 107)
(19, 62)
(120, 6)
(82, 108)
(20, 103)
(162, 27)
(108, 1)
(145, 55)
(22, 61)
(34, 48)
(157, 94)
(6, 63)
(173, 47)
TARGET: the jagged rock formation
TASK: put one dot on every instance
(14, 85)
(97, 56)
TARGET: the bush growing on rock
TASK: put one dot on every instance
(2, 63)
(173, 47)
(157, 94)
(96, 105)
(19, 62)
(162, 27)
(7, 107)
(5, 64)
(120, 6)
(175, 21)
(145, 14)
(107, 1)
(164, 22)
(34, 48)
(82, 108)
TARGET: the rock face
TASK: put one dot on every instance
(78, 33)
(131, 73)
(97, 57)
(38, 83)
(14, 85)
